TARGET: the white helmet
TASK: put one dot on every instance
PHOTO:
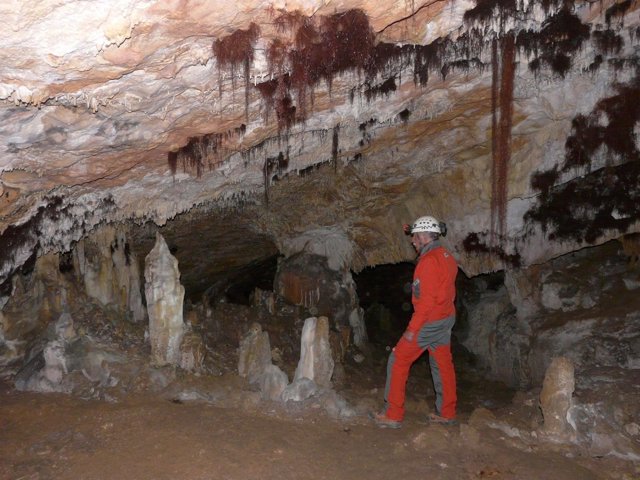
(426, 224)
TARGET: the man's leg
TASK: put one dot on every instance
(436, 337)
(402, 357)
(444, 380)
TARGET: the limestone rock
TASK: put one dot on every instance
(336, 406)
(556, 398)
(109, 269)
(255, 354)
(165, 296)
(47, 370)
(273, 382)
(356, 321)
(315, 362)
(306, 279)
(192, 352)
(264, 299)
(300, 389)
(38, 301)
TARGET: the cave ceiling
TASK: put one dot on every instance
(320, 125)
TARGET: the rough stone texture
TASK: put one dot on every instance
(192, 352)
(299, 390)
(358, 327)
(110, 270)
(165, 296)
(306, 279)
(515, 345)
(315, 362)
(38, 299)
(556, 398)
(45, 372)
(90, 115)
(272, 383)
(254, 354)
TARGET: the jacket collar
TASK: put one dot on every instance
(427, 248)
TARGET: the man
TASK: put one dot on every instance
(433, 295)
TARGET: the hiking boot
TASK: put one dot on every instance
(382, 421)
(438, 420)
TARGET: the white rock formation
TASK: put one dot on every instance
(358, 327)
(110, 271)
(273, 382)
(556, 398)
(300, 389)
(315, 362)
(165, 296)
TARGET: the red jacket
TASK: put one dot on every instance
(434, 286)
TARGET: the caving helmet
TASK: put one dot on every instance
(429, 224)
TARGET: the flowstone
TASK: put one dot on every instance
(109, 270)
(165, 296)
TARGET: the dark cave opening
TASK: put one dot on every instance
(384, 292)
(257, 274)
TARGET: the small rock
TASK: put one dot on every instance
(272, 383)
(299, 390)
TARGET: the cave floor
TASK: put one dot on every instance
(144, 436)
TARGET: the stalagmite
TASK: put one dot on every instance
(109, 269)
(556, 398)
(165, 296)
(254, 354)
(315, 362)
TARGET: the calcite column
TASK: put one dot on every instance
(165, 296)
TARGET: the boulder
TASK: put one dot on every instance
(272, 383)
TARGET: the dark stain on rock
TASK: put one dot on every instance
(603, 198)
(479, 242)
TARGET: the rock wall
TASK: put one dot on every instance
(110, 272)
(141, 117)
(306, 279)
(583, 306)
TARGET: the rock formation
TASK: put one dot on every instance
(254, 355)
(165, 296)
(110, 271)
(315, 362)
(556, 398)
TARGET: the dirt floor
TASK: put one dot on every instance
(159, 436)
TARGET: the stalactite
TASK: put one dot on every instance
(233, 50)
(503, 77)
(494, 138)
(335, 146)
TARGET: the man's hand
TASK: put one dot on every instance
(408, 336)
(406, 228)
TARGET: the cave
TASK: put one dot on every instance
(204, 265)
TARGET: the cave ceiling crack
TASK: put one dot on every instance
(413, 14)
